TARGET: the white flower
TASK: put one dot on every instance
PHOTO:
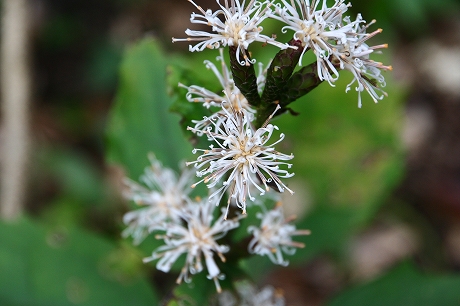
(354, 56)
(249, 295)
(161, 196)
(319, 29)
(337, 42)
(196, 237)
(274, 236)
(267, 296)
(230, 95)
(240, 27)
(242, 158)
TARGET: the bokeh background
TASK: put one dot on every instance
(379, 186)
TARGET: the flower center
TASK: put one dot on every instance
(199, 232)
(233, 30)
(307, 34)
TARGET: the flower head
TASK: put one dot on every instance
(274, 236)
(318, 28)
(161, 196)
(196, 237)
(338, 43)
(354, 57)
(243, 157)
(230, 94)
(240, 27)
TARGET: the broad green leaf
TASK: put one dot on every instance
(63, 266)
(404, 285)
(140, 121)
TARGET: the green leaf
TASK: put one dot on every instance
(140, 121)
(63, 266)
(181, 72)
(197, 292)
(404, 285)
(330, 229)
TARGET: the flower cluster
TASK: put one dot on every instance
(186, 226)
(241, 165)
(240, 159)
(161, 197)
(240, 27)
(195, 237)
(338, 42)
(190, 226)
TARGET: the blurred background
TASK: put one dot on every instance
(379, 186)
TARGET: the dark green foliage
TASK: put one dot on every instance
(300, 83)
(64, 266)
(282, 85)
(280, 71)
(404, 285)
(138, 123)
(245, 78)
